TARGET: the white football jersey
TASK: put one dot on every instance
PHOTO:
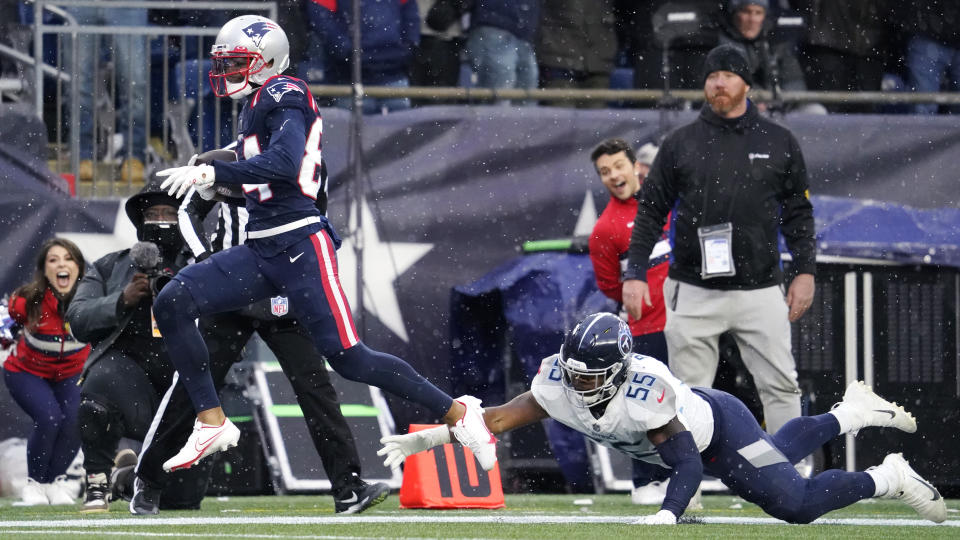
(649, 398)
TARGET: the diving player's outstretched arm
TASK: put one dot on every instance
(679, 451)
(520, 411)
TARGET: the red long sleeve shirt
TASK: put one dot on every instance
(49, 351)
(609, 243)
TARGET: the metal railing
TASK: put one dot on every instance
(180, 111)
(475, 94)
(177, 111)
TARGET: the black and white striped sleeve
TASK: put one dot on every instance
(193, 210)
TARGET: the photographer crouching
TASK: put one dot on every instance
(128, 372)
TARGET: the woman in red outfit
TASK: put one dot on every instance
(42, 370)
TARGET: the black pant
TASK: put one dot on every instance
(118, 399)
(436, 62)
(686, 67)
(225, 335)
(830, 69)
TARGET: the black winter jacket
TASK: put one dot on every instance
(95, 311)
(578, 35)
(748, 171)
(519, 17)
(936, 19)
(854, 27)
(768, 58)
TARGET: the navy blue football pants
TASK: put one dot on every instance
(52, 405)
(306, 273)
(759, 467)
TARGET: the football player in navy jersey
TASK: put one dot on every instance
(633, 403)
(290, 249)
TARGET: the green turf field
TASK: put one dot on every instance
(526, 516)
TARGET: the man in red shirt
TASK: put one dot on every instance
(622, 171)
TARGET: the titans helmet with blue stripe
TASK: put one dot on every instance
(593, 357)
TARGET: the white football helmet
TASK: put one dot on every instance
(249, 50)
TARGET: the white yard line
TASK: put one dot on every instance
(512, 519)
(140, 533)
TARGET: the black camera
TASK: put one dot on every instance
(146, 259)
(159, 280)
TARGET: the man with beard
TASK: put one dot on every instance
(733, 180)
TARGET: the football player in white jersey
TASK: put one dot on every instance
(634, 404)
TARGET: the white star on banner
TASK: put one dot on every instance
(588, 216)
(383, 263)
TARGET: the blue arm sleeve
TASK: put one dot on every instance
(280, 162)
(681, 454)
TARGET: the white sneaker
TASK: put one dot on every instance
(654, 493)
(59, 491)
(861, 408)
(33, 494)
(650, 494)
(915, 491)
(472, 432)
(204, 440)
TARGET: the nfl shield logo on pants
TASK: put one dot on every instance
(279, 306)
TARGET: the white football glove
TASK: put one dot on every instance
(663, 517)
(398, 447)
(207, 193)
(180, 179)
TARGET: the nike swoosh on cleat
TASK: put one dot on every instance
(199, 451)
(211, 439)
(936, 494)
(352, 499)
(201, 446)
(886, 411)
(294, 259)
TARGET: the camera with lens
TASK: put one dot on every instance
(158, 280)
(146, 259)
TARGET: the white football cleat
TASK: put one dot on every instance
(32, 494)
(861, 407)
(915, 491)
(204, 440)
(60, 492)
(654, 493)
(472, 432)
(650, 494)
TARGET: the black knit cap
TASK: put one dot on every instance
(727, 57)
(150, 195)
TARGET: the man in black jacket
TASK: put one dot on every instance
(128, 370)
(733, 180)
(748, 25)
